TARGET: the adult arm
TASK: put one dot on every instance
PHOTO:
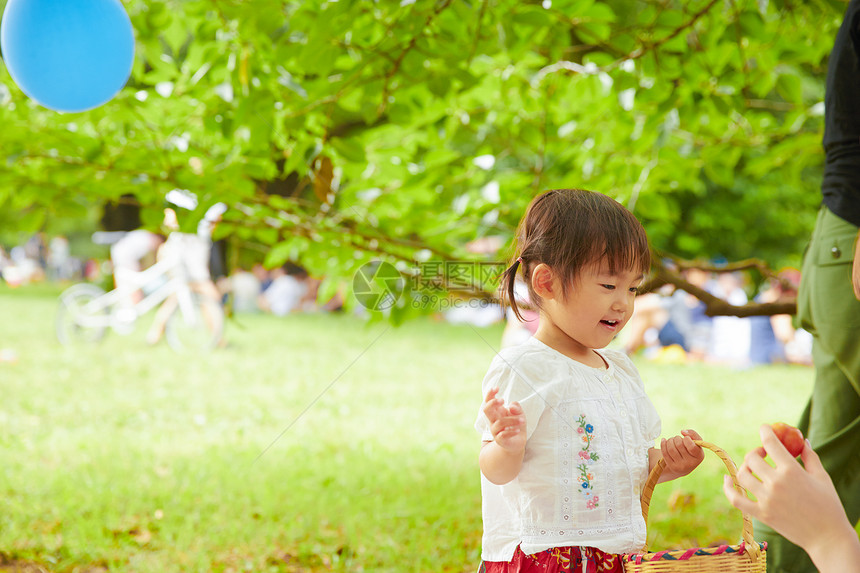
(798, 502)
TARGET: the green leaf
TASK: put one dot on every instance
(533, 16)
(318, 55)
(278, 254)
(596, 30)
(599, 12)
(349, 148)
(790, 88)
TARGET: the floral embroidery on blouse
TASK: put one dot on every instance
(586, 456)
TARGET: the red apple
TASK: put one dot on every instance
(790, 437)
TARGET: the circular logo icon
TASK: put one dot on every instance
(377, 285)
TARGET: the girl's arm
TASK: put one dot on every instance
(499, 465)
(502, 458)
(681, 454)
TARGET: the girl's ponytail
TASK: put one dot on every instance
(508, 286)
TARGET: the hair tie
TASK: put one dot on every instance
(520, 260)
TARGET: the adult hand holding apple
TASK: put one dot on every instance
(791, 437)
(798, 502)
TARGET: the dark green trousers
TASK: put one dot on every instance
(829, 310)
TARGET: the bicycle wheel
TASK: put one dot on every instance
(75, 322)
(199, 329)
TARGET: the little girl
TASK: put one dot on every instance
(567, 428)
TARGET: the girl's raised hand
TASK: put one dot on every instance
(507, 423)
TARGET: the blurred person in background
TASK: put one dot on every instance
(4, 260)
(246, 289)
(701, 325)
(36, 250)
(660, 320)
(289, 292)
(730, 335)
(263, 275)
(61, 265)
(22, 267)
(194, 252)
(127, 256)
(773, 338)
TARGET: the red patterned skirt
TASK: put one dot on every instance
(558, 560)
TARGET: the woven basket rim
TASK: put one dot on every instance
(684, 554)
(751, 546)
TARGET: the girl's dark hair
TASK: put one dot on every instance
(568, 229)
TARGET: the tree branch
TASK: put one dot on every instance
(643, 49)
(477, 33)
(383, 105)
(715, 306)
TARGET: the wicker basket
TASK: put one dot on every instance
(748, 557)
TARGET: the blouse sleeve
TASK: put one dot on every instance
(649, 420)
(516, 382)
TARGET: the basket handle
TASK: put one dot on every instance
(752, 548)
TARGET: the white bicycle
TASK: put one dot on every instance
(195, 323)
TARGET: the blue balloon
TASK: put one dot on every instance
(68, 55)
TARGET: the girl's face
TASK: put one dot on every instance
(597, 306)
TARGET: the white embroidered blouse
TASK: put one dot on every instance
(588, 433)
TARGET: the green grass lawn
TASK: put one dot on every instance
(309, 443)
